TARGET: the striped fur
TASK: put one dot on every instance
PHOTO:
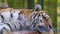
(4, 29)
(27, 13)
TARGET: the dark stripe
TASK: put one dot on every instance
(11, 15)
(34, 24)
(9, 26)
(33, 21)
(18, 13)
(35, 15)
(2, 17)
(20, 25)
(2, 30)
(50, 26)
(38, 15)
(15, 26)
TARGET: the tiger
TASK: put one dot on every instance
(4, 29)
(45, 19)
(14, 25)
(28, 14)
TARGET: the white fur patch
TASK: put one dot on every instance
(6, 16)
(46, 15)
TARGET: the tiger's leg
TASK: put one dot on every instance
(5, 31)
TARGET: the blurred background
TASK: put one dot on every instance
(51, 7)
(58, 15)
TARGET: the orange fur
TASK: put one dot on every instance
(47, 22)
(28, 13)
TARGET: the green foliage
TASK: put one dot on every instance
(30, 4)
(50, 7)
(2, 1)
(16, 3)
(58, 3)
